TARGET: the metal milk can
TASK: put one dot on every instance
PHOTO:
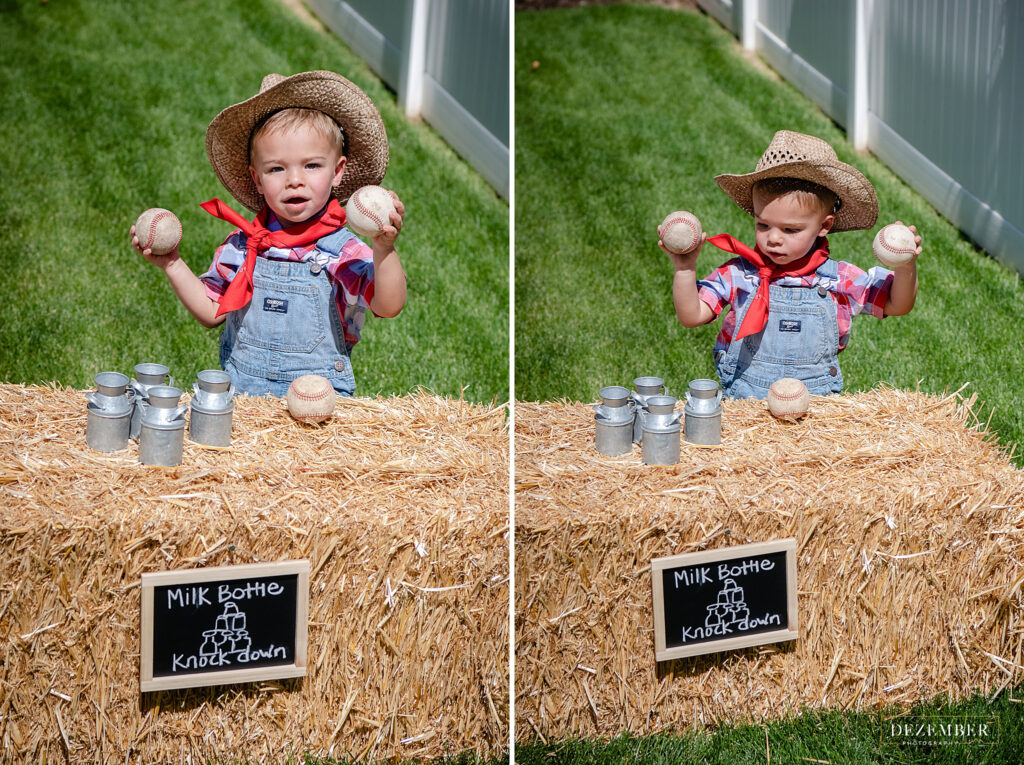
(212, 405)
(661, 431)
(109, 413)
(704, 413)
(146, 376)
(162, 436)
(614, 417)
(645, 387)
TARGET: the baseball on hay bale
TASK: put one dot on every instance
(894, 245)
(680, 232)
(158, 231)
(369, 210)
(311, 398)
(788, 399)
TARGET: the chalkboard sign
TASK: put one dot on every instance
(720, 600)
(229, 624)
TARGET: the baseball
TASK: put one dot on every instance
(894, 245)
(680, 232)
(788, 399)
(310, 398)
(158, 230)
(369, 210)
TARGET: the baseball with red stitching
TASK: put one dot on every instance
(680, 232)
(788, 399)
(158, 230)
(369, 210)
(311, 398)
(894, 245)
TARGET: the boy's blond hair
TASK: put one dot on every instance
(289, 119)
(807, 194)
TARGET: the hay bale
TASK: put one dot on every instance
(400, 505)
(909, 524)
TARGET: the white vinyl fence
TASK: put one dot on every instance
(448, 60)
(934, 88)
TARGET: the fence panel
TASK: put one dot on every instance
(726, 11)
(946, 91)
(808, 43)
(377, 32)
(462, 85)
(465, 90)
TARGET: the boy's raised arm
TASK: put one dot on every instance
(192, 293)
(389, 288)
(690, 309)
(903, 293)
(187, 286)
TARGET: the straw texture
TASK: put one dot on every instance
(909, 523)
(400, 506)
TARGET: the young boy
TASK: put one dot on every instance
(792, 305)
(293, 285)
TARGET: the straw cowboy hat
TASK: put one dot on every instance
(366, 143)
(795, 155)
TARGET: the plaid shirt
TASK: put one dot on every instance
(350, 272)
(854, 292)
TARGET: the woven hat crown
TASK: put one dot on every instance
(787, 147)
(270, 81)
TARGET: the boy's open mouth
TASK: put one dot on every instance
(295, 200)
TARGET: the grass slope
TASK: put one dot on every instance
(631, 112)
(103, 112)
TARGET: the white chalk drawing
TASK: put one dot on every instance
(229, 637)
(227, 644)
(729, 614)
(730, 610)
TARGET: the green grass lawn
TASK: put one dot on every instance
(104, 106)
(630, 113)
(816, 737)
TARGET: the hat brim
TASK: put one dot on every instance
(366, 143)
(859, 209)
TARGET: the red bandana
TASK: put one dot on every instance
(757, 314)
(258, 237)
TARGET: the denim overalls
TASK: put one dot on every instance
(801, 340)
(290, 328)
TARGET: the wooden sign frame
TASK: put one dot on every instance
(215, 574)
(789, 632)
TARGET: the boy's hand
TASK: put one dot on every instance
(917, 240)
(903, 291)
(686, 260)
(388, 274)
(387, 236)
(160, 261)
